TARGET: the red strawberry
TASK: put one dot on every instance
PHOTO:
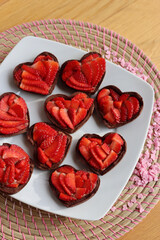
(124, 97)
(136, 105)
(114, 95)
(116, 113)
(56, 182)
(129, 107)
(65, 118)
(65, 197)
(39, 76)
(110, 159)
(70, 182)
(80, 193)
(115, 146)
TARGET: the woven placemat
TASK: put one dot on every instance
(20, 221)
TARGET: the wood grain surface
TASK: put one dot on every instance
(136, 20)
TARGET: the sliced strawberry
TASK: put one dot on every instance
(54, 147)
(116, 137)
(30, 76)
(56, 182)
(1, 174)
(136, 105)
(110, 159)
(94, 139)
(80, 192)
(85, 152)
(60, 151)
(65, 118)
(67, 103)
(6, 174)
(81, 114)
(65, 169)
(4, 103)
(2, 163)
(104, 92)
(114, 94)
(36, 89)
(118, 104)
(78, 86)
(62, 177)
(129, 107)
(124, 113)
(116, 113)
(100, 152)
(75, 103)
(96, 72)
(42, 156)
(94, 163)
(11, 124)
(56, 114)
(87, 71)
(48, 141)
(88, 102)
(40, 67)
(70, 182)
(96, 157)
(72, 115)
(59, 104)
(80, 96)
(79, 181)
(93, 178)
(106, 106)
(109, 117)
(123, 97)
(84, 141)
(51, 69)
(29, 69)
(105, 148)
(11, 174)
(115, 146)
(66, 197)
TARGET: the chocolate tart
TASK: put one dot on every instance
(91, 89)
(8, 118)
(8, 190)
(17, 72)
(56, 123)
(120, 122)
(77, 195)
(40, 165)
(113, 164)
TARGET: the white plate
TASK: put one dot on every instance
(37, 192)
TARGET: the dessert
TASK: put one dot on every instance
(117, 108)
(73, 186)
(39, 76)
(16, 168)
(69, 112)
(51, 145)
(101, 153)
(14, 115)
(85, 74)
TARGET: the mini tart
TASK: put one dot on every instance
(85, 74)
(117, 108)
(69, 113)
(50, 145)
(16, 168)
(39, 76)
(14, 115)
(101, 154)
(72, 186)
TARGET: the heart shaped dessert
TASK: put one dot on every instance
(101, 153)
(39, 76)
(16, 168)
(51, 145)
(117, 108)
(73, 186)
(85, 74)
(69, 113)
(14, 115)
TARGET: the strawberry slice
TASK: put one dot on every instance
(110, 159)
(115, 146)
(65, 197)
(136, 105)
(56, 182)
(70, 182)
(65, 118)
(129, 107)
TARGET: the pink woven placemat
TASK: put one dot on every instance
(20, 221)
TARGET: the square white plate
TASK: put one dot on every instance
(37, 192)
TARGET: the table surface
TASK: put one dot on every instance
(136, 20)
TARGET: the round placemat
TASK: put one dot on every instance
(20, 221)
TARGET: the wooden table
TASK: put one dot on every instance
(136, 20)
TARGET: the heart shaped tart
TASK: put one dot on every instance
(73, 186)
(69, 113)
(39, 76)
(16, 168)
(14, 115)
(101, 153)
(117, 108)
(51, 145)
(85, 74)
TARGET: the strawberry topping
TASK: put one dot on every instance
(51, 145)
(14, 117)
(84, 75)
(99, 152)
(40, 76)
(117, 108)
(68, 113)
(73, 186)
(14, 166)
